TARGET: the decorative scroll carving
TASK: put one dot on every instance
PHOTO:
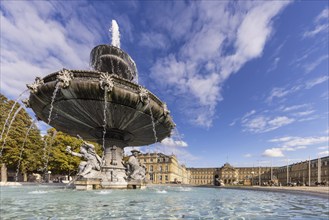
(106, 82)
(65, 77)
(165, 109)
(26, 102)
(34, 86)
(143, 95)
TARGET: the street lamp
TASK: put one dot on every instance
(252, 177)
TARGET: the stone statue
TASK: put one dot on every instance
(92, 160)
(136, 171)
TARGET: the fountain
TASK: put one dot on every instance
(104, 105)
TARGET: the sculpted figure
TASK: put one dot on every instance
(136, 171)
(92, 160)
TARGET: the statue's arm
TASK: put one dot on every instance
(76, 154)
(89, 145)
(68, 149)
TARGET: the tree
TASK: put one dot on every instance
(61, 162)
(24, 147)
(18, 147)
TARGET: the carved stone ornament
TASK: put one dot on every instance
(65, 77)
(26, 102)
(143, 95)
(34, 86)
(165, 109)
(106, 82)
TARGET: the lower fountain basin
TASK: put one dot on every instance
(157, 202)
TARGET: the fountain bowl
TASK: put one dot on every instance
(87, 103)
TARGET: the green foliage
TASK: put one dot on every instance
(13, 143)
(61, 162)
(37, 153)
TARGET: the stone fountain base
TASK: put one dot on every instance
(87, 184)
(112, 173)
(136, 184)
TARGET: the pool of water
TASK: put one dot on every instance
(165, 202)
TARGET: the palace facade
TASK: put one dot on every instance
(161, 169)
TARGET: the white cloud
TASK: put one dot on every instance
(273, 152)
(262, 121)
(324, 153)
(294, 107)
(247, 115)
(318, 29)
(321, 24)
(279, 121)
(197, 72)
(247, 155)
(304, 113)
(300, 141)
(261, 124)
(323, 15)
(36, 43)
(274, 64)
(290, 143)
(153, 40)
(310, 66)
(279, 93)
(316, 81)
(323, 148)
(170, 142)
(282, 139)
(234, 122)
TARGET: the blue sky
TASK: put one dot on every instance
(246, 81)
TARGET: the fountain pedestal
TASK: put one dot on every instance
(113, 170)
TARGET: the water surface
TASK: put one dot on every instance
(165, 202)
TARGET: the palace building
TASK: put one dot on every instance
(161, 169)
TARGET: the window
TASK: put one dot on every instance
(166, 177)
(160, 177)
(167, 169)
(151, 159)
(151, 168)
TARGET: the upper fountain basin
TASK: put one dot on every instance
(82, 96)
(113, 60)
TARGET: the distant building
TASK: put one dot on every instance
(203, 176)
(315, 171)
(163, 169)
(305, 172)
